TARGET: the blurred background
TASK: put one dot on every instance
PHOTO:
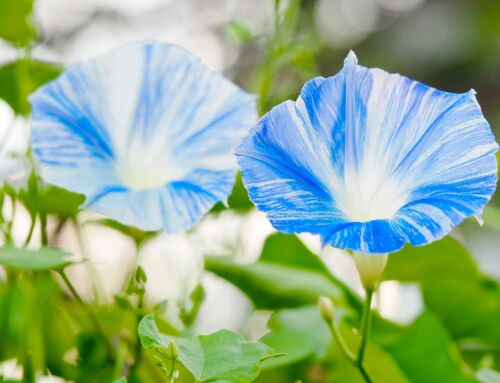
(270, 48)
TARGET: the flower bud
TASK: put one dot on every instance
(173, 350)
(370, 268)
(325, 306)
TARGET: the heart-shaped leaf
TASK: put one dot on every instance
(221, 356)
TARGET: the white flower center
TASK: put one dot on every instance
(369, 194)
(147, 167)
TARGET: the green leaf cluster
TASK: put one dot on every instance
(223, 356)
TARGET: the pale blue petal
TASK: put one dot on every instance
(146, 132)
(371, 160)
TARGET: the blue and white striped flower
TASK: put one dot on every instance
(370, 161)
(145, 132)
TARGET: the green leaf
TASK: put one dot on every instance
(380, 364)
(491, 217)
(240, 31)
(287, 274)
(136, 234)
(469, 310)
(288, 249)
(270, 285)
(298, 333)
(15, 21)
(121, 380)
(61, 202)
(445, 259)
(426, 354)
(223, 356)
(239, 196)
(21, 78)
(35, 260)
(452, 286)
(302, 334)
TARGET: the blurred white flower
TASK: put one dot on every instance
(483, 243)
(230, 234)
(10, 369)
(399, 302)
(61, 17)
(173, 267)
(7, 52)
(224, 307)
(399, 6)
(129, 7)
(110, 258)
(15, 166)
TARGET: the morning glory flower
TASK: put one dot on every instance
(370, 161)
(145, 132)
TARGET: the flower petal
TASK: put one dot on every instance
(371, 160)
(127, 128)
(283, 171)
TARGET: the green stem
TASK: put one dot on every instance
(138, 352)
(10, 224)
(365, 330)
(92, 315)
(171, 376)
(43, 229)
(31, 230)
(340, 341)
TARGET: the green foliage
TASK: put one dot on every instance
(60, 202)
(281, 248)
(209, 358)
(403, 351)
(491, 216)
(121, 380)
(240, 31)
(429, 263)
(238, 199)
(298, 333)
(22, 77)
(15, 22)
(45, 200)
(379, 362)
(270, 285)
(35, 260)
(469, 310)
(287, 275)
(421, 352)
(290, 52)
(136, 234)
(465, 300)
(425, 353)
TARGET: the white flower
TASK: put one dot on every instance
(173, 268)
(15, 166)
